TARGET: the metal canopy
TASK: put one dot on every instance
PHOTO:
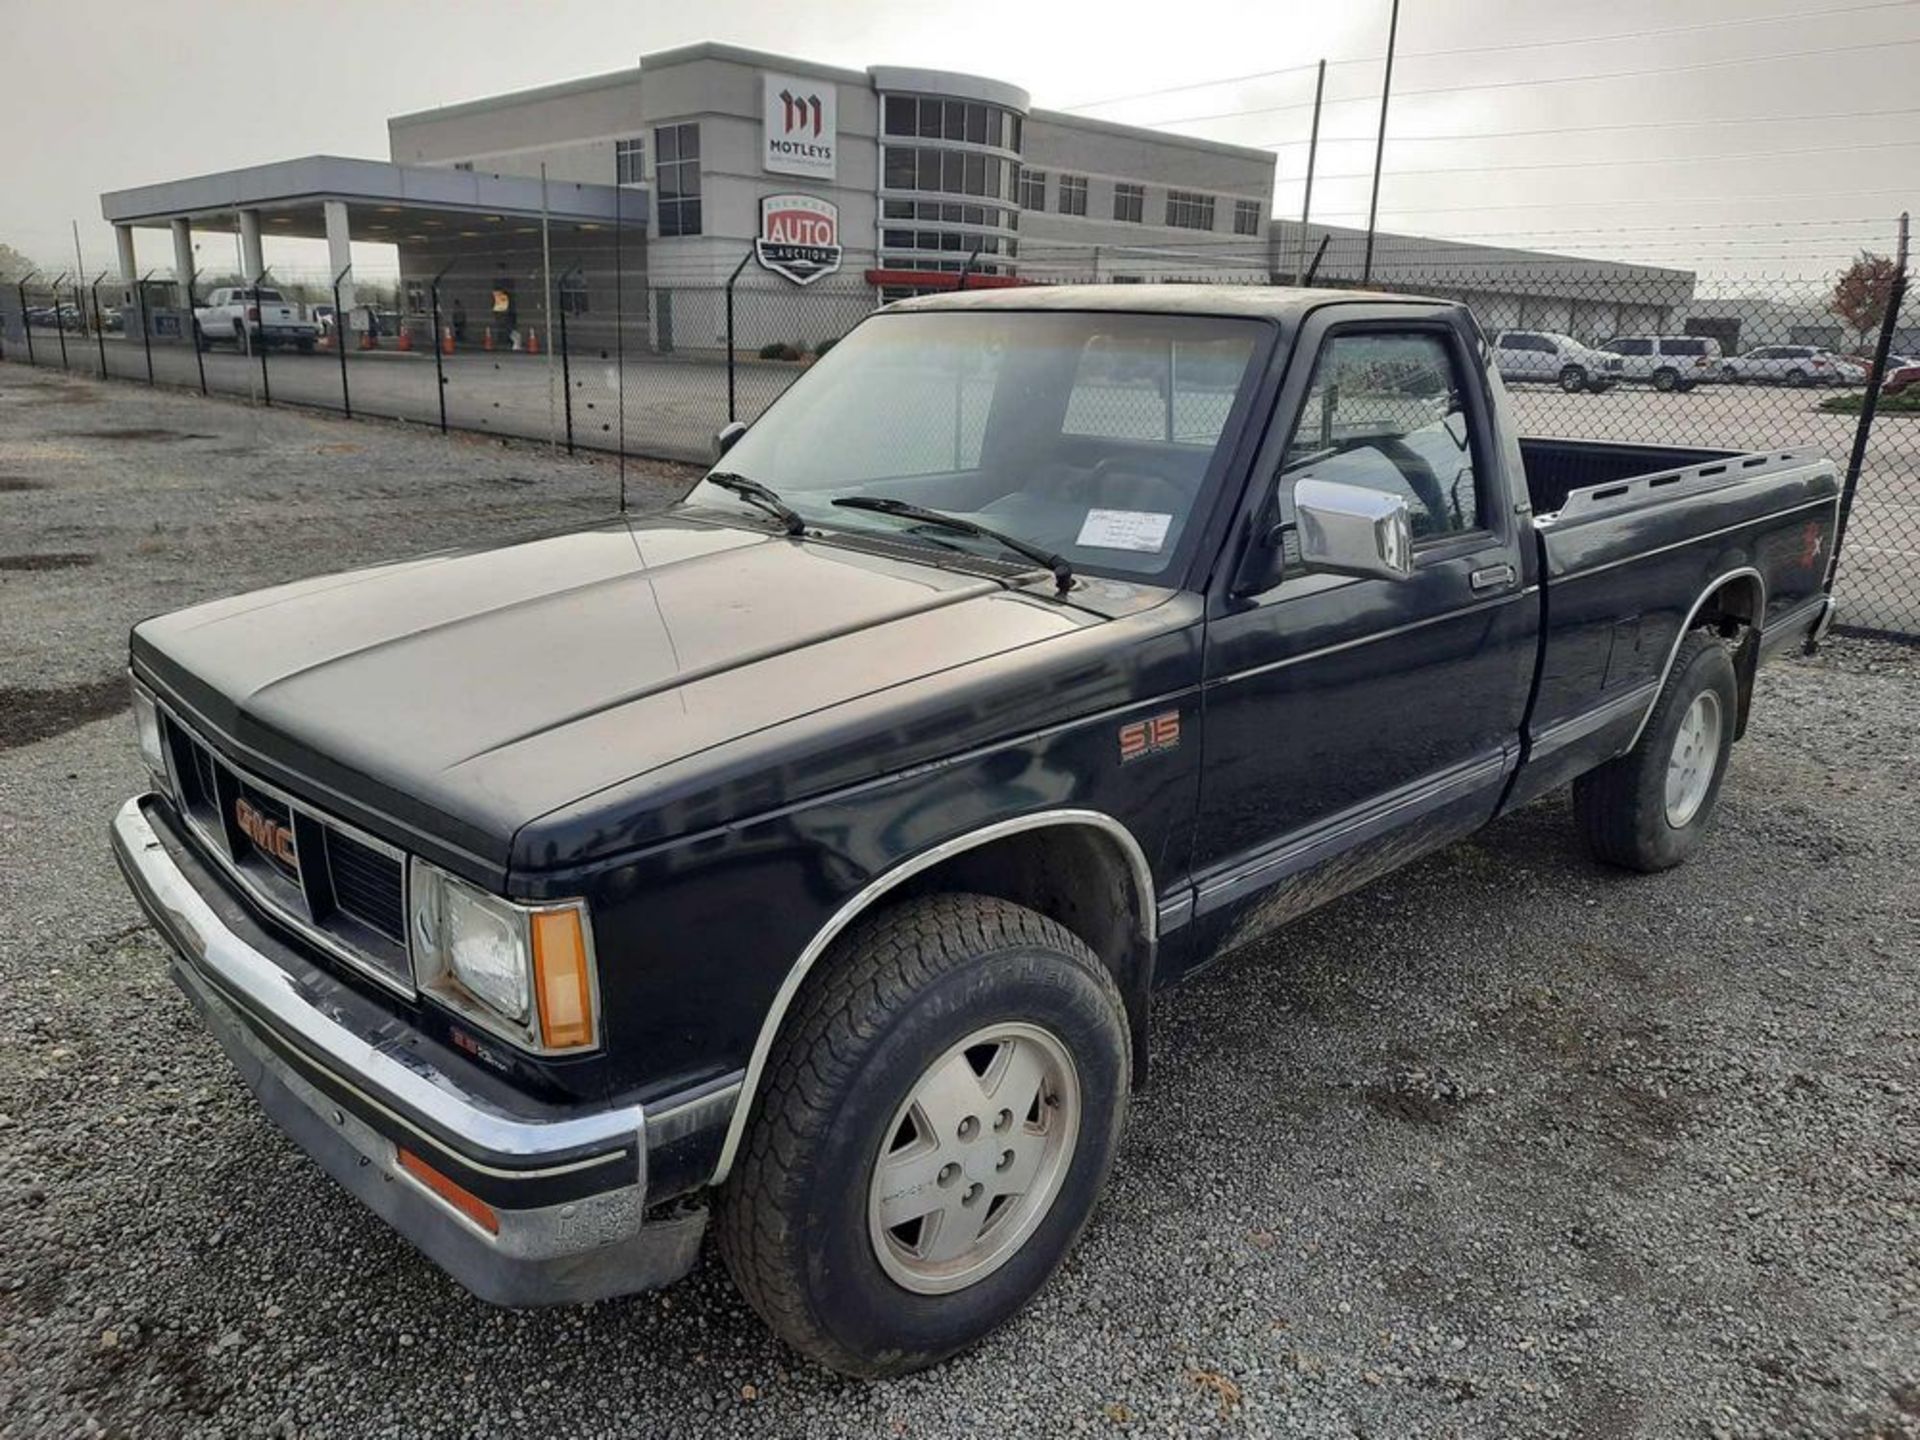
(384, 201)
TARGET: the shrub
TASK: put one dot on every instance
(778, 350)
(825, 345)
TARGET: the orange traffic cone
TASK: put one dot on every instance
(446, 341)
(369, 339)
(486, 338)
(533, 342)
(406, 339)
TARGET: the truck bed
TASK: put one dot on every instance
(1557, 467)
(1631, 540)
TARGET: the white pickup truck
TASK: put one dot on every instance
(250, 315)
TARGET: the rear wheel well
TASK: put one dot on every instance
(1076, 875)
(1735, 612)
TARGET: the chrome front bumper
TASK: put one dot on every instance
(568, 1190)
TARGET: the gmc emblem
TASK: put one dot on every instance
(269, 836)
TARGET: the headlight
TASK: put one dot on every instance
(146, 726)
(524, 972)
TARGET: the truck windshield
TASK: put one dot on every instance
(1097, 437)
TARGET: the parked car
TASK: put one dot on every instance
(55, 317)
(253, 315)
(1789, 365)
(1668, 362)
(806, 855)
(1555, 359)
(1905, 376)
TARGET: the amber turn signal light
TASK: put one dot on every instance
(562, 982)
(458, 1196)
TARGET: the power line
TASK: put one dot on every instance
(1550, 80)
(1675, 200)
(1496, 49)
(1503, 167)
(1598, 129)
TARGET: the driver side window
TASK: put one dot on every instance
(1383, 412)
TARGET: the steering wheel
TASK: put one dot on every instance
(1120, 482)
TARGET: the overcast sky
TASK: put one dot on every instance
(1772, 142)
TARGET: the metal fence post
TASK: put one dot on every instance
(193, 332)
(99, 327)
(146, 323)
(566, 370)
(1870, 402)
(259, 306)
(340, 330)
(439, 370)
(730, 279)
(59, 321)
(26, 320)
(79, 302)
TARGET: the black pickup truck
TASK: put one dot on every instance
(807, 854)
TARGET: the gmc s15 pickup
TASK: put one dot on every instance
(806, 855)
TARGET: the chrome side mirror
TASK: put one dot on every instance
(1351, 530)
(729, 435)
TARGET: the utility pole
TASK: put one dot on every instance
(1313, 153)
(1380, 143)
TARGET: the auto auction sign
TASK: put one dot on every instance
(800, 127)
(799, 237)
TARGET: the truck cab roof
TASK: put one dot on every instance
(1264, 302)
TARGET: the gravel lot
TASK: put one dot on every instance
(1504, 1145)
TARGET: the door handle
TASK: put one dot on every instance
(1492, 577)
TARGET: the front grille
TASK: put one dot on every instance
(340, 888)
(367, 885)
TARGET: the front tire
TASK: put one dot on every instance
(1666, 380)
(1797, 379)
(1650, 809)
(874, 1218)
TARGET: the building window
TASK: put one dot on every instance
(630, 162)
(463, 164)
(946, 172)
(1188, 211)
(1033, 189)
(1246, 217)
(1073, 194)
(676, 177)
(966, 121)
(1129, 202)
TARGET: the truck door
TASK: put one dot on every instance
(1353, 723)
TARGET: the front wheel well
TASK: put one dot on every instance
(1079, 876)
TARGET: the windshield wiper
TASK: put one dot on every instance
(881, 504)
(763, 496)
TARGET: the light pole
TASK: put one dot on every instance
(1380, 143)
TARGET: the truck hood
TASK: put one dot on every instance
(455, 698)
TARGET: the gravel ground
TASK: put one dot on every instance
(1503, 1145)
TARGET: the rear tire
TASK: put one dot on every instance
(1666, 380)
(808, 1221)
(1573, 379)
(1796, 378)
(1650, 809)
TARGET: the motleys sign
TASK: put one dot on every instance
(799, 237)
(800, 129)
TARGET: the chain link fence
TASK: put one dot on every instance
(600, 356)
